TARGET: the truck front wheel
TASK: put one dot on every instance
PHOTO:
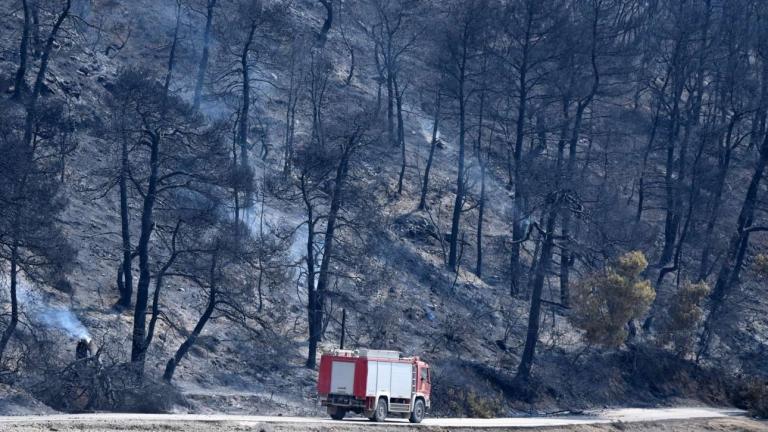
(418, 412)
(380, 413)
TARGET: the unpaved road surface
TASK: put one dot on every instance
(669, 420)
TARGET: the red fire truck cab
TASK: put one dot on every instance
(374, 383)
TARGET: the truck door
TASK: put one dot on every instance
(425, 384)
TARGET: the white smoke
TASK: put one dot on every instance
(63, 319)
(44, 313)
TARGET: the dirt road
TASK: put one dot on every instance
(672, 420)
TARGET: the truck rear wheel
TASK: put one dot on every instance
(337, 413)
(380, 413)
(418, 412)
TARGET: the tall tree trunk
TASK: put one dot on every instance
(19, 83)
(138, 348)
(391, 134)
(139, 343)
(481, 204)
(172, 55)
(11, 327)
(290, 116)
(246, 99)
(430, 158)
(38, 87)
(672, 218)
(566, 258)
(126, 292)
(203, 65)
(400, 135)
(311, 290)
(480, 216)
(459, 201)
(728, 275)
(323, 276)
(723, 165)
(646, 154)
(537, 288)
(37, 45)
(519, 206)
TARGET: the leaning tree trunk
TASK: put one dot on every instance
(170, 367)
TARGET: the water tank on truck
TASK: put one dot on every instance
(374, 383)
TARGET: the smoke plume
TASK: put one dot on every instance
(54, 316)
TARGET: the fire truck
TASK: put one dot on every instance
(374, 383)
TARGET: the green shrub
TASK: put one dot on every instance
(469, 403)
(684, 313)
(605, 301)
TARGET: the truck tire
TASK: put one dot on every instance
(380, 413)
(337, 413)
(419, 411)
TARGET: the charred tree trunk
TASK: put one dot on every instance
(138, 348)
(566, 258)
(728, 275)
(290, 117)
(537, 288)
(400, 135)
(159, 278)
(170, 367)
(139, 343)
(323, 276)
(724, 161)
(646, 154)
(481, 204)
(11, 327)
(246, 99)
(20, 84)
(672, 219)
(38, 87)
(459, 201)
(480, 216)
(430, 158)
(311, 291)
(518, 211)
(202, 67)
(323, 36)
(126, 285)
(391, 134)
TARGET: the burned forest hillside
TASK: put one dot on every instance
(558, 204)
